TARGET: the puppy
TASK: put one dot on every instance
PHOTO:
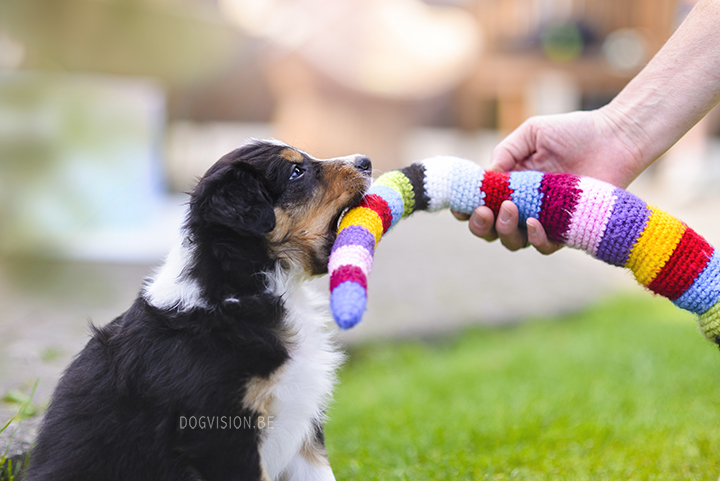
(222, 367)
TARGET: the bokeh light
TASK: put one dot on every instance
(626, 49)
(394, 48)
(562, 42)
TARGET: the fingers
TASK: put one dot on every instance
(460, 215)
(511, 236)
(482, 223)
(538, 238)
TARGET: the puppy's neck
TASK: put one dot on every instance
(201, 273)
(172, 286)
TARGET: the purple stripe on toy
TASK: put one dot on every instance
(355, 235)
(560, 196)
(627, 221)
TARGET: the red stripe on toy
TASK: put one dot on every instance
(348, 273)
(687, 261)
(496, 186)
(560, 196)
(379, 205)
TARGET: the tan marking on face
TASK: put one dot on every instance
(304, 233)
(291, 155)
(298, 235)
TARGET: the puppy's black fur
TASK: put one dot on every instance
(203, 349)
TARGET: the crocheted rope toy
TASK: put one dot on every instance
(607, 222)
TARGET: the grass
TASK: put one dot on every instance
(12, 467)
(626, 390)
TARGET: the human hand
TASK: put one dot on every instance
(482, 224)
(582, 143)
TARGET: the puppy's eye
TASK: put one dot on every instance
(297, 173)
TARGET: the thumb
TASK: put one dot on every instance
(502, 160)
(513, 149)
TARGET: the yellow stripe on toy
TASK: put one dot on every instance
(365, 217)
(656, 244)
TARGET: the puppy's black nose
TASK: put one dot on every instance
(363, 163)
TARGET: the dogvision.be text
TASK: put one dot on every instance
(226, 422)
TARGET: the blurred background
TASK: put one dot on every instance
(111, 109)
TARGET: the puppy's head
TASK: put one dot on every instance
(293, 202)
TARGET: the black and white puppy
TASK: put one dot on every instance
(222, 367)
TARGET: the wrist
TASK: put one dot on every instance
(628, 139)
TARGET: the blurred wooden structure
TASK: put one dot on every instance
(511, 62)
(314, 113)
(352, 81)
(328, 119)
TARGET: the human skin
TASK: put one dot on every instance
(615, 143)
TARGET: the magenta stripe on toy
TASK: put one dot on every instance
(348, 273)
(560, 197)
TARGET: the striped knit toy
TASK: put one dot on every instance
(607, 222)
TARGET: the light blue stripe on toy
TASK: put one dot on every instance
(705, 291)
(526, 193)
(347, 302)
(467, 179)
(393, 199)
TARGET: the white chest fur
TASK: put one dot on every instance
(304, 384)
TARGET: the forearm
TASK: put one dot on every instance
(675, 90)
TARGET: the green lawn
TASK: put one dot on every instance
(625, 390)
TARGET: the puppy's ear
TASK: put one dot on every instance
(237, 198)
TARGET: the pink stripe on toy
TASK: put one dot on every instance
(351, 254)
(591, 215)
